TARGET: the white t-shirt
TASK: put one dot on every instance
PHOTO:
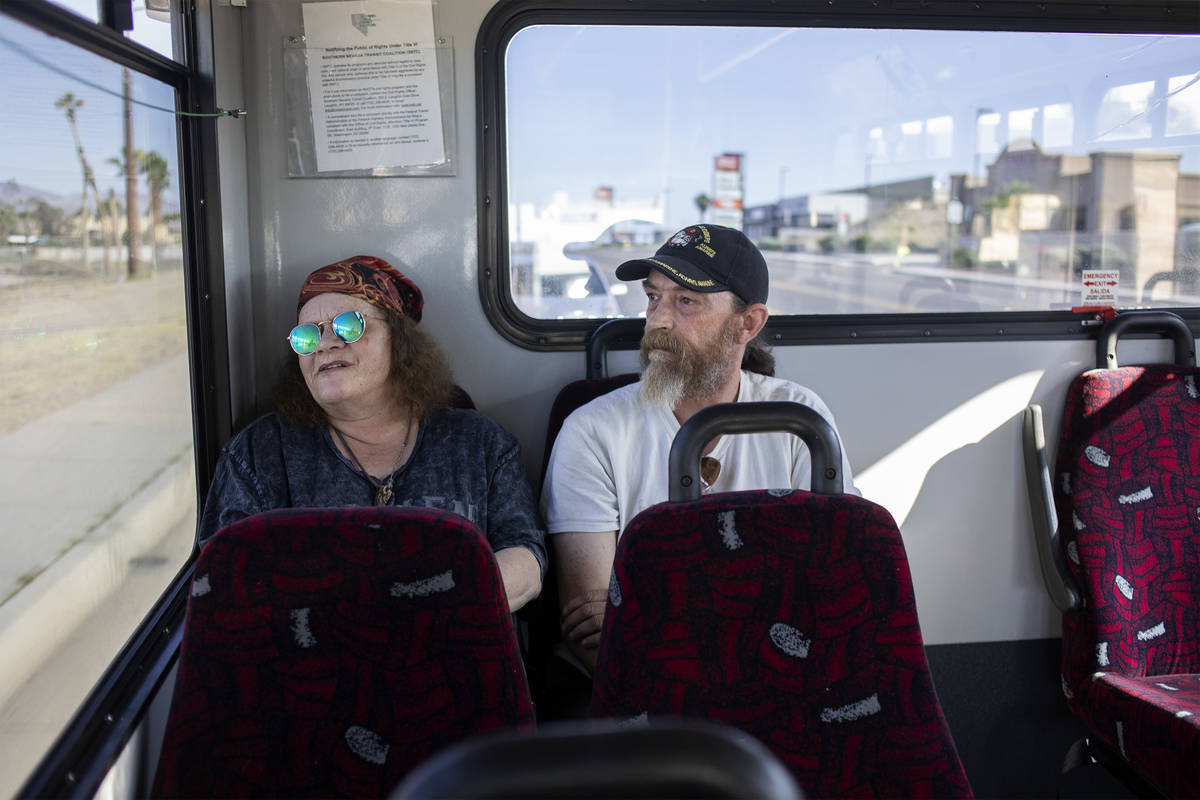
(610, 458)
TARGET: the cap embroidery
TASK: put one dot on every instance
(679, 275)
(689, 237)
(683, 238)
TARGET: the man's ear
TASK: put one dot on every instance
(753, 320)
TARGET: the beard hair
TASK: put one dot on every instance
(663, 382)
(687, 371)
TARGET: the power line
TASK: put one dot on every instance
(22, 51)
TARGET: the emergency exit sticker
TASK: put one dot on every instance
(1100, 287)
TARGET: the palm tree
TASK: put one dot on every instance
(158, 177)
(69, 102)
(702, 202)
(110, 203)
(26, 224)
(8, 222)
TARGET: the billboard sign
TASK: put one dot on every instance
(726, 207)
(728, 162)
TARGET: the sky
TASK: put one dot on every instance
(38, 147)
(644, 108)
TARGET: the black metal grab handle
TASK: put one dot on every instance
(627, 331)
(709, 423)
(1161, 322)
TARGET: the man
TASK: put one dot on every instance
(706, 290)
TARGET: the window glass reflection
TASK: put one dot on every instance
(912, 141)
(1058, 125)
(940, 137)
(1124, 112)
(1020, 124)
(987, 131)
(880, 170)
(1183, 105)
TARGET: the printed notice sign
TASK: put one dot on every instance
(1100, 287)
(373, 84)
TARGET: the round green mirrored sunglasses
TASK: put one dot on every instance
(349, 326)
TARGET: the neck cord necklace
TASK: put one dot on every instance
(383, 489)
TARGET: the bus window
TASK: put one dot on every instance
(98, 490)
(151, 20)
(881, 171)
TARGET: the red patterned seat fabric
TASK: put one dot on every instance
(791, 616)
(1127, 490)
(1153, 723)
(328, 651)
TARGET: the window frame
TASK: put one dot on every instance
(506, 19)
(104, 723)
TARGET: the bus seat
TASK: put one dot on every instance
(672, 758)
(789, 614)
(572, 396)
(328, 651)
(623, 332)
(1119, 541)
(461, 399)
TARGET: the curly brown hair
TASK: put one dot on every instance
(420, 377)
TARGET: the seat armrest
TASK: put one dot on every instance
(1059, 582)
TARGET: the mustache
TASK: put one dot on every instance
(661, 340)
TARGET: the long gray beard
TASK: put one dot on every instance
(665, 384)
(662, 385)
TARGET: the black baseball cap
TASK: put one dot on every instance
(707, 258)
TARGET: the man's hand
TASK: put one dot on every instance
(584, 565)
(583, 618)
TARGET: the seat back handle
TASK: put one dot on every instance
(1164, 323)
(715, 420)
(627, 333)
(1047, 539)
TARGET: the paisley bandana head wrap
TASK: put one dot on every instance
(372, 279)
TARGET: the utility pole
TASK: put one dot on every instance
(783, 214)
(867, 192)
(132, 234)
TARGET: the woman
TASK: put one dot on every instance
(362, 419)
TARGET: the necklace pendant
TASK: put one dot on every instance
(383, 497)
